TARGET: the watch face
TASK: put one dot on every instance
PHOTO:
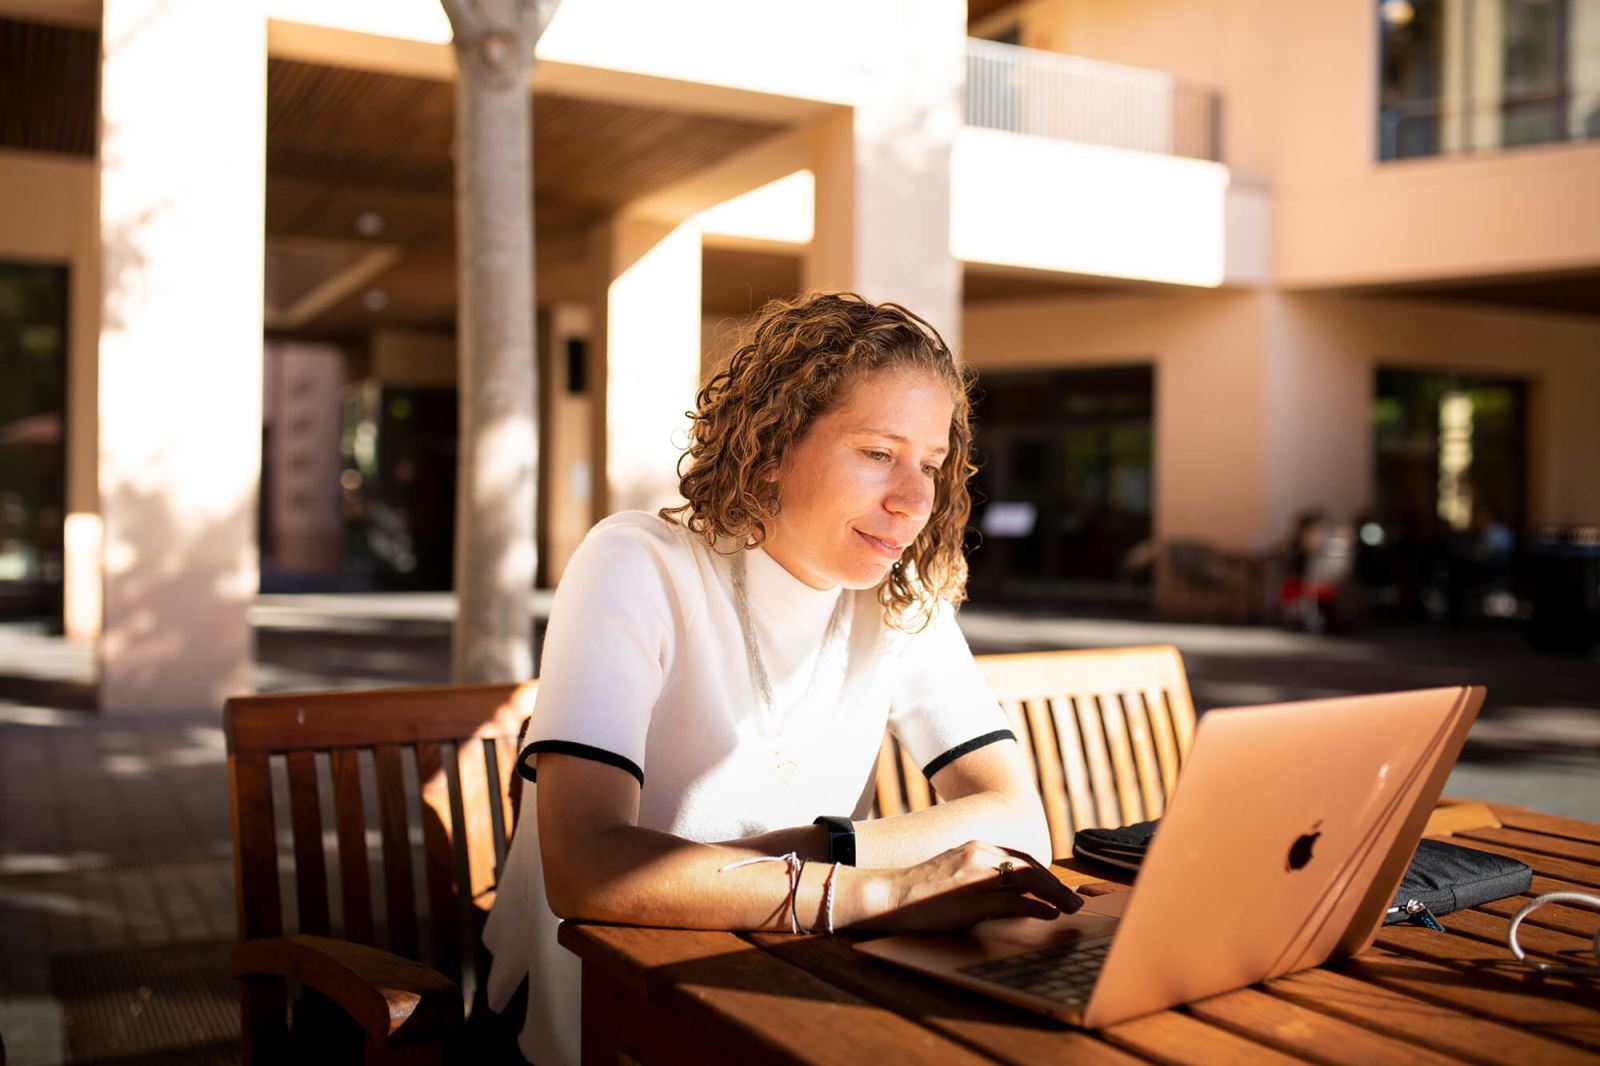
(841, 839)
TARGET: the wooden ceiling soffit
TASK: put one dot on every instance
(302, 207)
(48, 78)
(777, 156)
(344, 127)
(306, 276)
(649, 91)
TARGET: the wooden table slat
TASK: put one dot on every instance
(1562, 1010)
(1171, 1036)
(1542, 843)
(1006, 1033)
(1309, 1034)
(1467, 1036)
(768, 1008)
(1548, 824)
(1550, 945)
(1584, 876)
(1558, 916)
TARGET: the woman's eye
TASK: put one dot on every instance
(876, 456)
(931, 470)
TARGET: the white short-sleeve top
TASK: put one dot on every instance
(645, 668)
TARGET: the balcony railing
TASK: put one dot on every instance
(1024, 90)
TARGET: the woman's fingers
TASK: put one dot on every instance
(1042, 883)
(1023, 907)
(1018, 871)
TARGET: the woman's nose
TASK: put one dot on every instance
(911, 495)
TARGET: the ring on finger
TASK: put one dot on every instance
(1008, 873)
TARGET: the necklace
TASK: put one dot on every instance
(771, 722)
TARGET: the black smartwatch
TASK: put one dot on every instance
(841, 839)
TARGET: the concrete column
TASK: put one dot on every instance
(883, 178)
(182, 192)
(1318, 412)
(646, 358)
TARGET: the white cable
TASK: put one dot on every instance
(1580, 899)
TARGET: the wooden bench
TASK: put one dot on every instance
(427, 776)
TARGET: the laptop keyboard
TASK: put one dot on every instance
(1065, 973)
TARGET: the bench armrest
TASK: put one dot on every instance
(396, 1001)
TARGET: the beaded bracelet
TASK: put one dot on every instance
(827, 899)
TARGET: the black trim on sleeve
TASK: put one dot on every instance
(961, 749)
(582, 751)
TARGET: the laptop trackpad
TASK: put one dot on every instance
(1112, 904)
(1033, 934)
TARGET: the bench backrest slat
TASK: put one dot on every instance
(400, 894)
(310, 871)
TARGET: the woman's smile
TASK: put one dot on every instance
(888, 548)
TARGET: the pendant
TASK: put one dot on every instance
(783, 765)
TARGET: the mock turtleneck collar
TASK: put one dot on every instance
(781, 600)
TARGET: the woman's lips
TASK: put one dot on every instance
(882, 547)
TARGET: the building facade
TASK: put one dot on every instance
(1216, 262)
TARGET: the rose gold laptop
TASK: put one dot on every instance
(1283, 846)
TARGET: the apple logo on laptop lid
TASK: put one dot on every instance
(1300, 850)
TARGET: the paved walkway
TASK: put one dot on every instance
(116, 898)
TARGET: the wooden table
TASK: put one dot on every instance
(1417, 996)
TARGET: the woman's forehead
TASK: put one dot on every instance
(897, 405)
(876, 390)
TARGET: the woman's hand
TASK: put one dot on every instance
(956, 889)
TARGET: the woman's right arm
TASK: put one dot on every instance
(599, 865)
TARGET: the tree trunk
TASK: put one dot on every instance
(496, 484)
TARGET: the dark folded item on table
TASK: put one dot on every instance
(1442, 877)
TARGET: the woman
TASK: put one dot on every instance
(717, 678)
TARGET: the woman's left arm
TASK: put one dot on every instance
(988, 795)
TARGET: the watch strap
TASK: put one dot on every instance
(841, 838)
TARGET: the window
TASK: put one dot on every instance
(33, 357)
(1475, 75)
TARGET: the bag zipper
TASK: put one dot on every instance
(1417, 913)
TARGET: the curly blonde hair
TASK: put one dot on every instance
(801, 356)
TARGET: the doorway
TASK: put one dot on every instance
(1062, 501)
(33, 466)
(1450, 453)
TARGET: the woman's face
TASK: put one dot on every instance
(855, 491)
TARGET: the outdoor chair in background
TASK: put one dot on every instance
(1105, 732)
(1200, 580)
(314, 779)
